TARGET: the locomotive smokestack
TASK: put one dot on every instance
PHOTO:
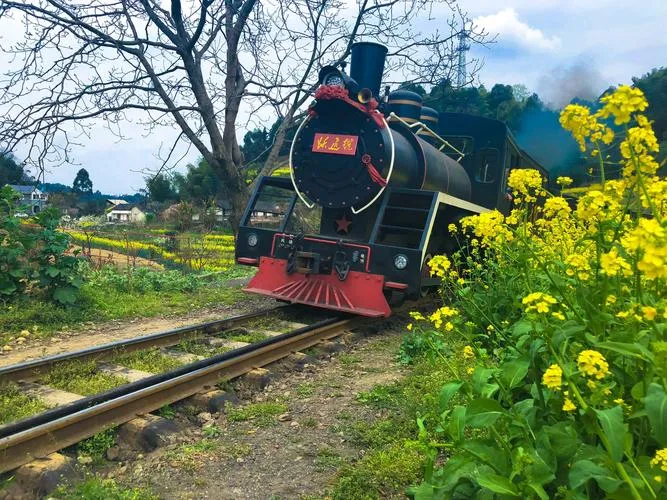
(368, 65)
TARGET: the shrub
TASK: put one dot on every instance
(563, 314)
(32, 255)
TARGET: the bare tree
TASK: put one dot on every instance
(193, 66)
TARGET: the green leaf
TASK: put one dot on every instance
(487, 451)
(497, 484)
(563, 439)
(631, 350)
(539, 491)
(585, 470)
(480, 385)
(446, 393)
(611, 421)
(456, 424)
(422, 492)
(656, 411)
(637, 391)
(483, 412)
(521, 327)
(65, 294)
(514, 372)
(52, 271)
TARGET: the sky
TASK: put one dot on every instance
(557, 48)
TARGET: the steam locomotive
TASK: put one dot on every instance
(374, 184)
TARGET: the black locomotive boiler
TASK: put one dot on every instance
(374, 185)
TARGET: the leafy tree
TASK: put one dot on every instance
(11, 171)
(499, 94)
(472, 100)
(199, 185)
(256, 145)
(654, 86)
(160, 188)
(82, 183)
(414, 87)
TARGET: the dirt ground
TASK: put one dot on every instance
(296, 455)
(92, 334)
(100, 257)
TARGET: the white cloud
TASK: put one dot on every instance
(510, 28)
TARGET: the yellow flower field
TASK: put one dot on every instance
(563, 309)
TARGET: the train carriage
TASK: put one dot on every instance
(373, 187)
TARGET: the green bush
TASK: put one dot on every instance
(562, 393)
(32, 255)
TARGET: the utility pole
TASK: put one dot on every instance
(464, 46)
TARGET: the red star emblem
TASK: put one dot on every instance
(343, 225)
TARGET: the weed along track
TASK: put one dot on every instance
(88, 391)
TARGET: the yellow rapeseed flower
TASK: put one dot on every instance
(649, 313)
(592, 364)
(568, 405)
(468, 353)
(613, 264)
(553, 377)
(564, 181)
(660, 459)
(622, 103)
(409, 327)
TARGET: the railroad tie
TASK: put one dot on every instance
(49, 395)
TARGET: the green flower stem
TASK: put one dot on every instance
(634, 466)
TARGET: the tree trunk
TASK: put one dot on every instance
(234, 189)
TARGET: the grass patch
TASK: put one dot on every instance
(96, 488)
(305, 390)
(309, 422)
(16, 405)
(167, 411)
(328, 459)
(82, 377)
(381, 474)
(196, 345)
(349, 359)
(106, 303)
(393, 459)
(248, 336)
(189, 457)
(147, 360)
(382, 396)
(262, 414)
(96, 446)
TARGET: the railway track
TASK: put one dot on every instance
(32, 370)
(62, 426)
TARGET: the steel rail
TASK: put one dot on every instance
(32, 370)
(38, 436)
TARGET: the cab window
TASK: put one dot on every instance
(487, 166)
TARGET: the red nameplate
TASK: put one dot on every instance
(338, 144)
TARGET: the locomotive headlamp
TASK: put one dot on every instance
(365, 95)
(400, 262)
(252, 240)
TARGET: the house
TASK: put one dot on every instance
(31, 196)
(111, 203)
(267, 209)
(222, 210)
(126, 212)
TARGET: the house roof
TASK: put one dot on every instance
(23, 189)
(116, 202)
(266, 206)
(123, 207)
